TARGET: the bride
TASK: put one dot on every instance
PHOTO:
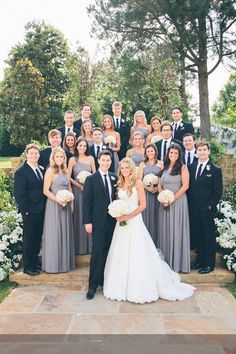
(134, 270)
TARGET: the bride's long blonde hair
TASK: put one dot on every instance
(133, 175)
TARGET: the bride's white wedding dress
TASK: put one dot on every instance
(134, 269)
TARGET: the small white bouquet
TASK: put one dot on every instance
(155, 139)
(166, 196)
(110, 140)
(64, 196)
(82, 176)
(118, 208)
(150, 180)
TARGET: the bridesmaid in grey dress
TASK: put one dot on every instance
(151, 165)
(173, 231)
(80, 162)
(58, 252)
(87, 131)
(109, 130)
(140, 124)
(137, 153)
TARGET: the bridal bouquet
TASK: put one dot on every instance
(82, 176)
(64, 196)
(118, 208)
(166, 196)
(150, 180)
(110, 140)
(155, 139)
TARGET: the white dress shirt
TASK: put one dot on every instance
(119, 121)
(203, 166)
(34, 168)
(108, 181)
(162, 147)
(95, 148)
(192, 154)
(71, 129)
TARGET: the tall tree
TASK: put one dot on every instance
(48, 51)
(198, 30)
(24, 104)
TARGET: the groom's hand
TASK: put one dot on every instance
(89, 228)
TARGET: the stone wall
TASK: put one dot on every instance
(228, 165)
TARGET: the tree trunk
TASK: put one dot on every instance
(182, 88)
(205, 126)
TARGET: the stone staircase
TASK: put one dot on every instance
(79, 276)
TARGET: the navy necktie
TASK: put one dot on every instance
(98, 150)
(189, 159)
(117, 123)
(38, 175)
(199, 171)
(107, 188)
(164, 150)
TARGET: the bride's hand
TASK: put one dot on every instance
(122, 218)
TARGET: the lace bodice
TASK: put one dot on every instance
(131, 200)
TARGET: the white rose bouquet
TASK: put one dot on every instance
(150, 180)
(63, 197)
(167, 197)
(155, 139)
(110, 140)
(118, 208)
(82, 176)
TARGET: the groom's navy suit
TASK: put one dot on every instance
(204, 194)
(28, 191)
(95, 212)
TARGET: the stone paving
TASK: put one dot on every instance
(59, 319)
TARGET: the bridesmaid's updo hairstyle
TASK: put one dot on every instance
(53, 165)
(176, 170)
(133, 175)
(145, 152)
(76, 154)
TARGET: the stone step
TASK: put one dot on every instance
(79, 277)
(84, 260)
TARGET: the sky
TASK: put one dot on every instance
(71, 18)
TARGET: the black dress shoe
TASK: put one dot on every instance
(206, 270)
(196, 266)
(31, 272)
(38, 267)
(90, 294)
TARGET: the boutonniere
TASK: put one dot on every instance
(122, 120)
(195, 155)
(104, 147)
(42, 168)
(181, 125)
(208, 167)
(112, 178)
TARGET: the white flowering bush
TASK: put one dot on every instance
(11, 239)
(226, 228)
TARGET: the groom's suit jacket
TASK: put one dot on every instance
(95, 200)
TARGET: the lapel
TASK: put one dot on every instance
(113, 182)
(31, 172)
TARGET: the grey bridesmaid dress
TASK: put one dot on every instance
(137, 157)
(150, 214)
(173, 230)
(83, 240)
(58, 252)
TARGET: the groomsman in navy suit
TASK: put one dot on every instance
(180, 127)
(205, 191)
(122, 127)
(69, 118)
(28, 191)
(98, 146)
(189, 154)
(163, 145)
(54, 137)
(86, 111)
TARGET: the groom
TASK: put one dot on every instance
(99, 192)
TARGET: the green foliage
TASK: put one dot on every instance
(35, 83)
(224, 109)
(5, 288)
(6, 191)
(230, 195)
(6, 148)
(217, 150)
(24, 103)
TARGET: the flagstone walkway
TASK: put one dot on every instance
(63, 310)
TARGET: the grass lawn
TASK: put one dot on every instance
(6, 287)
(232, 288)
(5, 162)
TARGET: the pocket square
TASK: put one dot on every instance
(208, 175)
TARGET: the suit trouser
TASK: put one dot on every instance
(101, 244)
(32, 237)
(203, 228)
